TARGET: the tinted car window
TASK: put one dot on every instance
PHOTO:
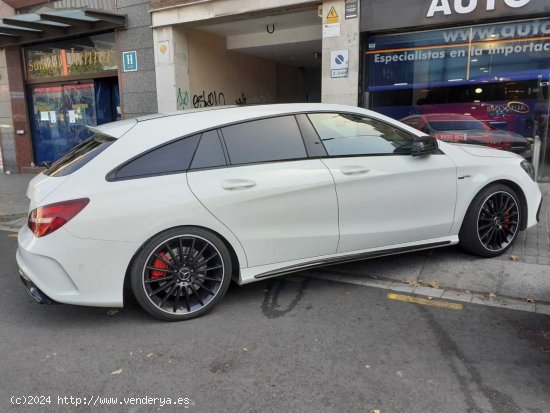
(210, 151)
(350, 134)
(273, 139)
(170, 158)
(80, 155)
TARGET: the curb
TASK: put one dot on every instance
(511, 303)
(12, 217)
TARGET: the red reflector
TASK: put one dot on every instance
(45, 220)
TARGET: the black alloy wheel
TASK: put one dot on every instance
(181, 274)
(498, 221)
(492, 222)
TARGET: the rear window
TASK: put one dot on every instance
(80, 155)
(171, 158)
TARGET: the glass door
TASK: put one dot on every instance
(59, 116)
(542, 132)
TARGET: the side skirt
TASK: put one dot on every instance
(349, 258)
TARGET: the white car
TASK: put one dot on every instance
(177, 205)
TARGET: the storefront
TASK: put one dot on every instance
(84, 92)
(62, 74)
(486, 83)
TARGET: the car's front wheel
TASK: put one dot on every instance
(492, 221)
(181, 273)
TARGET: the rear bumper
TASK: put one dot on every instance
(34, 291)
(70, 270)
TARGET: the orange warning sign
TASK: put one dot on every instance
(332, 16)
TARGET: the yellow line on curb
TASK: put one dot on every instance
(425, 301)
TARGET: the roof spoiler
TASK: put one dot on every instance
(114, 129)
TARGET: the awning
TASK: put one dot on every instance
(56, 24)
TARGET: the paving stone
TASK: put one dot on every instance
(457, 296)
(404, 288)
(530, 259)
(518, 305)
(369, 282)
(543, 308)
(428, 291)
(483, 300)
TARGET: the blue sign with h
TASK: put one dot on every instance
(129, 61)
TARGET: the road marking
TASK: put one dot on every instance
(12, 235)
(425, 301)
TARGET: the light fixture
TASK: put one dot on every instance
(478, 90)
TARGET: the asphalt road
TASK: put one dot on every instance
(292, 344)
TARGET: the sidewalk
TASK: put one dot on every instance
(13, 201)
(523, 272)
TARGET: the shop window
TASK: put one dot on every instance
(485, 85)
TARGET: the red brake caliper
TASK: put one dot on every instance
(157, 263)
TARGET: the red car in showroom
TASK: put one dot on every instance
(458, 128)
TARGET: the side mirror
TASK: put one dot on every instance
(424, 145)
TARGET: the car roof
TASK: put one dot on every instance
(240, 113)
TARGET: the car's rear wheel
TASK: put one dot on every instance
(181, 273)
(492, 222)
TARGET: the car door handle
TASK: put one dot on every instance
(354, 170)
(233, 184)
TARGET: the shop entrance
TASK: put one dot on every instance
(59, 114)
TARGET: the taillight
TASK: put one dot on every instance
(450, 137)
(49, 218)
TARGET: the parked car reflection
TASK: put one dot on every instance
(458, 128)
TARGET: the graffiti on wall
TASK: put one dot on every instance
(182, 98)
(213, 98)
(241, 100)
(204, 100)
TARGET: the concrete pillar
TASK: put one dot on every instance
(342, 90)
(138, 88)
(172, 69)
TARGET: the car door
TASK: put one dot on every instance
(386, 196)
(279, 204)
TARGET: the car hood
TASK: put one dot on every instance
(486, 152)
(496, 136)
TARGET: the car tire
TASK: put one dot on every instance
(492, 222)
(181, 273)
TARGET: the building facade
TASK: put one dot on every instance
(464, 70)
(274, 51)
(62, 69)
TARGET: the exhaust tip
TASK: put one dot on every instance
(34, 291)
